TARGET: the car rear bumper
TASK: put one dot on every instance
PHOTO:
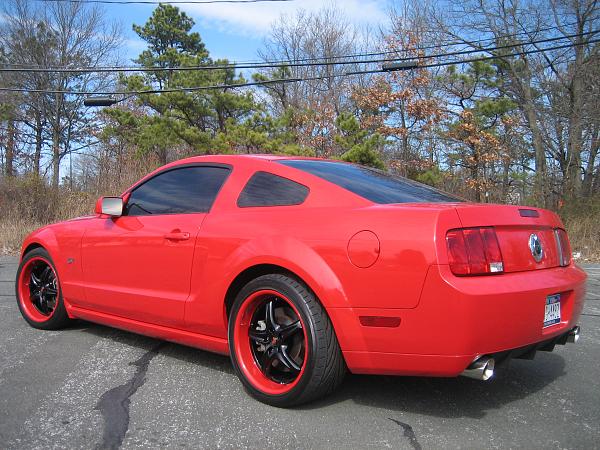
(459, 320)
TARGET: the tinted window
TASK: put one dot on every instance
(266, 189)
(374, 185)
(178, 191)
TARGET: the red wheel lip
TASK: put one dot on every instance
(241, 344)
(24, 293)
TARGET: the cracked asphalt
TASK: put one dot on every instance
(94, 387)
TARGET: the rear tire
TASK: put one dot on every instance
(293, 358)
(38, 292)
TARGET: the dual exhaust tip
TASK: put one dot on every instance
(483, 368)
(573, 335)
(480, 369)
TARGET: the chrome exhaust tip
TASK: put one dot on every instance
(480, 369)
(573, 335)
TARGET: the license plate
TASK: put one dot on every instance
(552, 312)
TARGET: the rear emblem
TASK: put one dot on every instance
(535, 245)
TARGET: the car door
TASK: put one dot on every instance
(138, 265)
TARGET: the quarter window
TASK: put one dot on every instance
(267, 189)
(184, 190)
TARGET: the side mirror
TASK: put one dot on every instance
(109, 206)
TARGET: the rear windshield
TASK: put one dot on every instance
(372, 184)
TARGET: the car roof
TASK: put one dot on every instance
(255, 161)
(255, 156)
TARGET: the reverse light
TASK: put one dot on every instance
(474, 251)
(564, 247)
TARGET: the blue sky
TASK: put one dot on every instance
(236, 31)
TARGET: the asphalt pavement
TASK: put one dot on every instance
(94, 387)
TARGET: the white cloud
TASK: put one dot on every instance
(256, 18)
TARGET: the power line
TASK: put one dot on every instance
(442, 44)
(296, 80)
(287, 62)
(488, 58)
(169, 2)
(285, 65)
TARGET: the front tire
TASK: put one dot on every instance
(38, 292)
(282, 343)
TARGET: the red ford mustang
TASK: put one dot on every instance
(303, 268)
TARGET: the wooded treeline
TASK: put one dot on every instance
(522, 126)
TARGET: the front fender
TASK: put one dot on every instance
(63, 242)
(44, 237)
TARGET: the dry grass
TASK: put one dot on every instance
(14, 228)
(12, 233)
(583, 226)
(27, 204)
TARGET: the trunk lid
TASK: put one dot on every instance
(514, 226)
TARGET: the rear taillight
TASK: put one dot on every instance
(474, 251)
(564, 247)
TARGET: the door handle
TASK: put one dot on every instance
(177, 236)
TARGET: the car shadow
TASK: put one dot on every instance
(437, 397)
(180, 352)
(450, 397)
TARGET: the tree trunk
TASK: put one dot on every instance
(523, 95)
(55, 158)
(404, 140)
(573, 181)
(37, 156)
(163, 156)
(505, 180)
(539, 184)
(10, 148)
(475, 174)
(588, 178)
(56, 131)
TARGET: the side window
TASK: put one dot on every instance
(191, 189)
(267, 189)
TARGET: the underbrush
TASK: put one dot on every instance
(29, 203)
(12, 233)
(582, 222)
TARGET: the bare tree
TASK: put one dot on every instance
(60, 34)
(311, 38)
(528, 77)
(308, 39)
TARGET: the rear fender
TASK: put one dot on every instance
(209, 317)
(295, 257)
